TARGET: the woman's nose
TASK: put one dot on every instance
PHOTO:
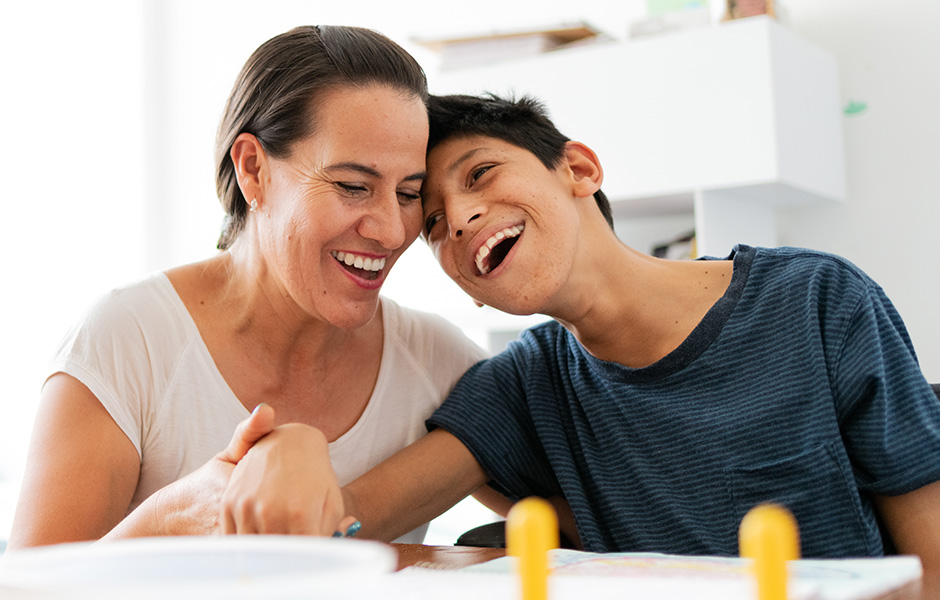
(385, 222)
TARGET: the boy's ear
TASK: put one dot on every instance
(586, 172)
(250, 163)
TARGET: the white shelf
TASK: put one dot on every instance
(727, 122)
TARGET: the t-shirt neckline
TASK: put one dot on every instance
(697, 341)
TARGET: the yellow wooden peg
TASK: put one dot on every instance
(769, 536)
(531, 531)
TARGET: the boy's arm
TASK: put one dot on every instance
(286, 485)
(500, 505)
(493, 500)
(413, 486)
(913, 521)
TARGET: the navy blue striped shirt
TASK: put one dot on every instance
(799, 386)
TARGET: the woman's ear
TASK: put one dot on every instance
(586, 172)
(250, 163)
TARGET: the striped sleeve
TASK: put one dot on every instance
(487, 411)
(889, 415)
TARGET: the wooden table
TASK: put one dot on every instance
(455, 557)
(444, 557)
(910, 591)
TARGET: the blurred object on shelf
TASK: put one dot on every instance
(680, 248)
(663, 16)
(741, 9)
(507, 45)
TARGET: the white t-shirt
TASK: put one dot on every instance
(140, 353)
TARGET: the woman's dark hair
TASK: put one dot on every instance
(523, 123)
(276, 94)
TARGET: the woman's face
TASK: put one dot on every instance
(340, 210)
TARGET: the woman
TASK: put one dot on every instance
(320, 159)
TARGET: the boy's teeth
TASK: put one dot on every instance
(484, 251)
(360, 262)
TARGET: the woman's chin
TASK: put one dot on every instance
(353, 317)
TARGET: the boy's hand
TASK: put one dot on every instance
(285, 484)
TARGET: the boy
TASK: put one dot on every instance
(667, 398)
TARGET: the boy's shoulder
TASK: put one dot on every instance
(550, 331)
(806, 258)
(789, 265)
(536, 344)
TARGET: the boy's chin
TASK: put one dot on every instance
(519, 309)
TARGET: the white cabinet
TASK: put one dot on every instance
(727, 122)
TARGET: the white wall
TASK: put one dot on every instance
(890, 222)
(71, 103)
(110, 108)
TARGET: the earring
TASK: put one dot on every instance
(253, 205)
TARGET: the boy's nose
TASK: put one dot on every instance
(459, 232)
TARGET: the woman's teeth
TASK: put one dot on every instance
(360, 262)
(482, 264)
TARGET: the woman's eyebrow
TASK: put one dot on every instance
(419, 176)
(371, 172)
(354, 166)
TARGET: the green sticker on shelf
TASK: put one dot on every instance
(658, 7)
(854, 108)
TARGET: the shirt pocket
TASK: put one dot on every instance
(820, 491)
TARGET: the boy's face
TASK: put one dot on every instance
(502, 225)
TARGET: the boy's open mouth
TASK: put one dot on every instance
(360, 266)
(494, 250)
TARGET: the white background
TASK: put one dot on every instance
(108, 110)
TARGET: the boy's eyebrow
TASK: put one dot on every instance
(367, 170)
(463, 158)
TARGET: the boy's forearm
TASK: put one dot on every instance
(913, 521)
(412, 487)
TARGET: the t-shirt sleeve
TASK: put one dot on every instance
(489, 413)
(449, 353)
(106, 352)
(889, 416)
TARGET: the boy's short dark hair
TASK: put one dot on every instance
(523, 123)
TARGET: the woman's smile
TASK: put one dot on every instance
(366, 271)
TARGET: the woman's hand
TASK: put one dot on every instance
(191, 505)
(285, 484)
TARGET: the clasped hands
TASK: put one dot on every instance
(282, 481)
